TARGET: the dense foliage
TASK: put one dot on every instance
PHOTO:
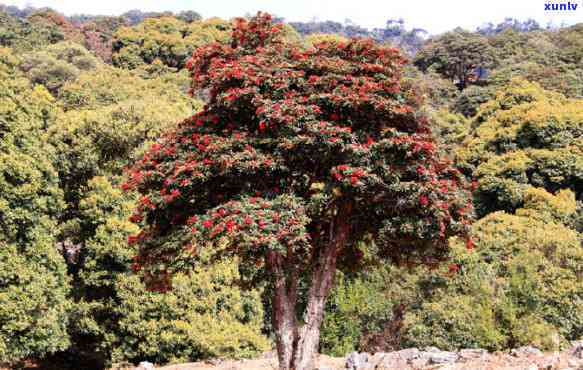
(287, 126)
(33, 282)
(299, 156)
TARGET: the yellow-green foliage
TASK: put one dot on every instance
(33, 281)
(450, 128)
(522, 284)
(56, 64)
(525, 136)
(108, 115)
(361, 307)
(316, 38)
(25, 35)
(168, 39)
(203, 316)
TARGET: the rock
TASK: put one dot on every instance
(573, 363)
(391, 362)
(550, 362)
(408, 354)
(419, 363)
(577, 349)
(471, 354)
(525, 351)
(431, 349)
(394, 360)
(440, 357)
(357, 361)
(145, 365)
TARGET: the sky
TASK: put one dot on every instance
(435, 16)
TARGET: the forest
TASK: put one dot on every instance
(176, 188)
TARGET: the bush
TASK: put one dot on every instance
(116, 319)
(525, 136)
(521, 286)
(469, 100)
(365, 311)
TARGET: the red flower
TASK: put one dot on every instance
(248, 220)
(342, 167)
(192, 220)
(424, 200)
(230, 225)
(421, 170)
(469, 244)
(262, 125)
(136, 218)
(208, 224)
(132, 239)
(354, 180)
(334, 117)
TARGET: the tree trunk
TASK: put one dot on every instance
(297, 347)
(284, 312)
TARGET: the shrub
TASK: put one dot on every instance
(521, 286)
(525, 136)
(117, 319)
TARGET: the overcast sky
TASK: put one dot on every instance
(433, 15)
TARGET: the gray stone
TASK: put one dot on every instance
(419, 363)
(471, 354)
(408, 354)
(145, 365)
(574, 363)
(357, 361)
(440, 357)
(391, 362)
(525, 351)
(395, 360)
(431, 349)
(577, 349)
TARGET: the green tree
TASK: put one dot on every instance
(525, 137)
(117, 319)
(297, 158)
(521, 286)
(167, 39)
(456, 55)
(56, 64)
(33, 282)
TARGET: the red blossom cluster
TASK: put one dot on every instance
(279, 120)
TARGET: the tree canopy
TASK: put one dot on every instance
(299, 156)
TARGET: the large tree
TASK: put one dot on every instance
(300, 157)
(458, 56)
